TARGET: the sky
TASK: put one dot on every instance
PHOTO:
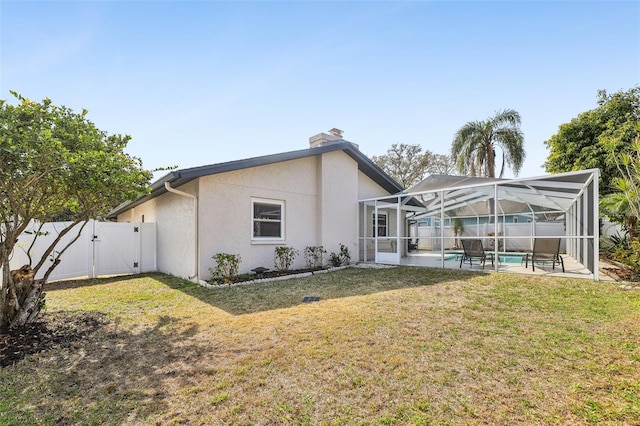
(203, 82)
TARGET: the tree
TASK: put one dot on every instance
(587, 140)
(622, 204)
(53, 163)
(440, 164)
(404, 163)
(474, 145)
(408, 165)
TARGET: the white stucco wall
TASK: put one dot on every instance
(146, 211)
(176, 241)
(226, 215)
(367, 188)
(320, 196)
(338, 207)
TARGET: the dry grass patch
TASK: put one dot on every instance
(393, 346)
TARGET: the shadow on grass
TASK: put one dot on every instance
(110, 376)
(77, 283)
(333, 285)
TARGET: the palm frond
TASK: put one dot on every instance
(511, 142)
(474, 145)
(508, 117)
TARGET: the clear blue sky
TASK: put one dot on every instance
(203, 82)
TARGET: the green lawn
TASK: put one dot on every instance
(393, 346)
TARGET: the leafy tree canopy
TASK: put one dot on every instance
(440, 164)
(55, 163)
(408, 164)
(587, 140)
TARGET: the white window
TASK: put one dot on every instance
(382, 224)
(267, 220)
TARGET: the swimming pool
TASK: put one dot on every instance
(512, 258)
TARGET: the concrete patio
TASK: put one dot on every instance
(573, 269)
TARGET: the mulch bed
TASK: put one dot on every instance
(617, 270)
(250, 277)
(60, 330)
(623, 274)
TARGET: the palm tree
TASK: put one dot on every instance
(617, 206)
(474, 146)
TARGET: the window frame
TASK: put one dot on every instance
(376, 226)
(268, 240)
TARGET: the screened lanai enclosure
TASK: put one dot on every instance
(427, 224)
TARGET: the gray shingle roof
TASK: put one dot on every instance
(182, 176)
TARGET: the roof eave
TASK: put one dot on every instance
(181, 177)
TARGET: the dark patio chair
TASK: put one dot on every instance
(473, 250)
(545, 250)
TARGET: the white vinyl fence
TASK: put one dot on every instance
(104, 248)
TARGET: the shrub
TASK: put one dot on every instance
(314, 256)
(624, 249)
(629, 256)
(616, 245)
(334, 260)
(634, 255)
(227, 265)
(342, 258)
(283, 257)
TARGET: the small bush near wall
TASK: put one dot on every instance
(227, 265)
(340, 259)
(314, 256)
(283, 257)
(616, 246)
(626, 251)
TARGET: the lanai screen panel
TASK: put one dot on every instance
(551, 193)
(571, 197)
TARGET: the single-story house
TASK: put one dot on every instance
(331, 194)
(249, 207)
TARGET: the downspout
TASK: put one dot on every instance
(196, 264)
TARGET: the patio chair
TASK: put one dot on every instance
(473, 250)
(545, 250)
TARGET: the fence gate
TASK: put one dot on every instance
(104, 248)
(114, 248)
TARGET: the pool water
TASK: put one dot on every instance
(515, 258)
(511, 258)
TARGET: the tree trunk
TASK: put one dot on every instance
(4, 291)
(491, 162)
(631, 227)
(23, 297)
